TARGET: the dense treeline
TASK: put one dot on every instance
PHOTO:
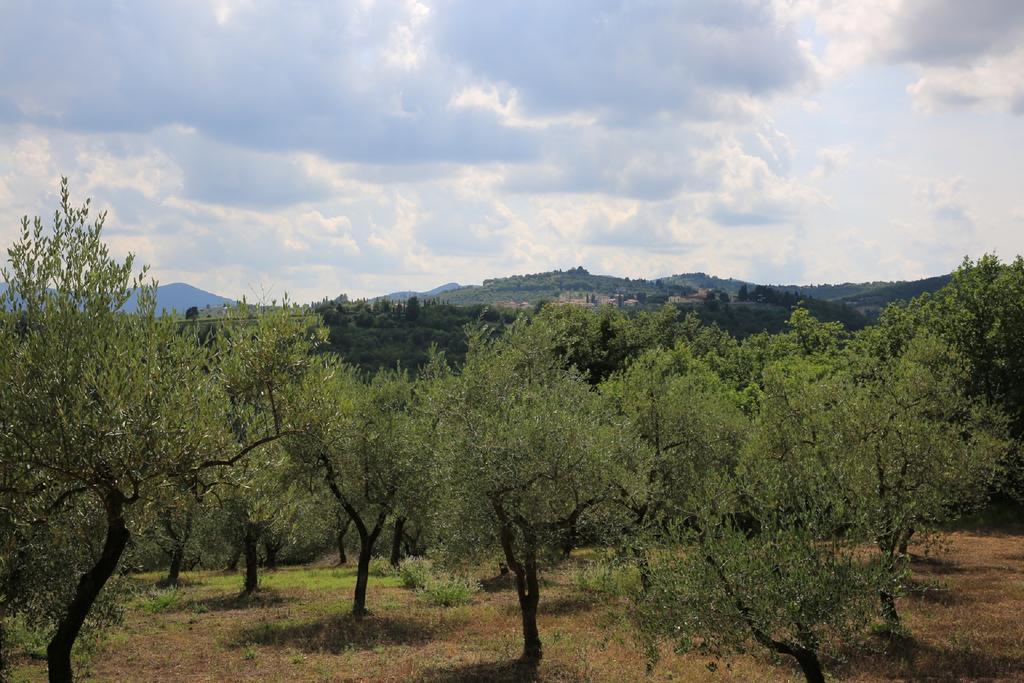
(764, 490)
(385, 334)
(373, 335)
(772, 312)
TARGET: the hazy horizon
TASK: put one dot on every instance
(370, 146)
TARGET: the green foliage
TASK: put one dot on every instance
(771, 554)
(528, 446)
(384, 335)
(22, 637)
(980, 315)
(449, 591)
(382, 567)
(415, 572)
(690, 422)
(162, 601)
(100, 410)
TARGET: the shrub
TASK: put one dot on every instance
(23, 637)
(449, 591)
(161, 601)
(380, 566)
(415, 572)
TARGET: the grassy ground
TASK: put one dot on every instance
(966, 620)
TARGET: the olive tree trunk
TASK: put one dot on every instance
(342, 531)
(529, 597)
(58, 652)
(367, 541)
(236, 555)
(174, 571)
(179, 540)
(251, 560)
(894, 550)
(527, 589)
(272, 548)
(396, 542)
(810, 665)
(807, 658)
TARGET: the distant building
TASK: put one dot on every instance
(513, 304)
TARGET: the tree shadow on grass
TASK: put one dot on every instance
(936, 565)
(342, 632)
(909, 659)
(932, 593)
(568, 604)
(224, 603)
(513, 671)
(499, 583)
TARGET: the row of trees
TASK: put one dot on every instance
(765, 490)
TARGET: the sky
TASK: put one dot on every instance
(313, 148)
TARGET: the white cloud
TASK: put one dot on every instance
(966, 54)
(831, 160)
(373, 145)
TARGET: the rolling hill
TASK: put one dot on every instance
(544, 286)
(550, 285)
(429, 294)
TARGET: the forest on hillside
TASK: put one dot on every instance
(768, 496)
(384, 334)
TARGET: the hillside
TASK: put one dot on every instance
(578, 281)
(878, 297)
(407, 294)
(547, 286)
(383, 334)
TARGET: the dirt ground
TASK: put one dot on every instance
(965, 619)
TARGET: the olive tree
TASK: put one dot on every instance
(358, 439)
(920, 452)
(771, 552)
(103, 408)
(690, 421)
(527, 452)
(173, 520)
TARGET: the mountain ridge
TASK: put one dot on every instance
(174, 296)
(179, 296)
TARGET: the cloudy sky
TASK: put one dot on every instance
(364, 146)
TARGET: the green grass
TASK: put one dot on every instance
(161, 601)
(325, 579)
(21, 637)
(607, 578)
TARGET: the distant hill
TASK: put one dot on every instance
(550, 285)
(179, 296)
(430, 294)
(857, 294)
(546, 286)
(176, 296)
(895, 291)
(704, 281)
